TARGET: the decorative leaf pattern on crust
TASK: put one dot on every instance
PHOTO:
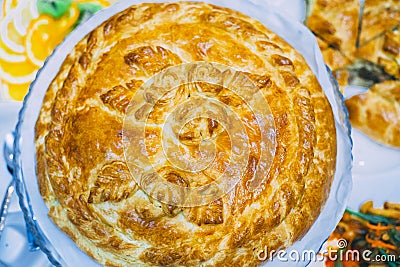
(114, 183)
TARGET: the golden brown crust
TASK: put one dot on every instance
(384, 51)
(342, 77)
(336, 22)
(377, 112)
(336, 61)
(378, 17)
(82, 172)
(332, 57)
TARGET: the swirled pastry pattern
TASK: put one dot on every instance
(116, 212)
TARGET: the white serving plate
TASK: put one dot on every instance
(60, 248)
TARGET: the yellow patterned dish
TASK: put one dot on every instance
(29, 33)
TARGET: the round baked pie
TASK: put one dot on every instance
(184, 134)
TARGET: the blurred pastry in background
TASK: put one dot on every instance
(378, 17)
(333, 58)
(377, 112)
(366, 54)
(384, 51)
(361, 73)
(336, 22)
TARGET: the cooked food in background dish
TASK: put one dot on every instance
(30, 32)
(378, 17)
(362, 73)
(373, 229)
(374, 60)
(336, 22)
(377, 112)
(384, 51)
(89, 187)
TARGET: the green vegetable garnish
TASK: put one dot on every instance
(338, 264)
(390, 263)
(394, 236)
(374, 219)
(86, 10)
(54, 8)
